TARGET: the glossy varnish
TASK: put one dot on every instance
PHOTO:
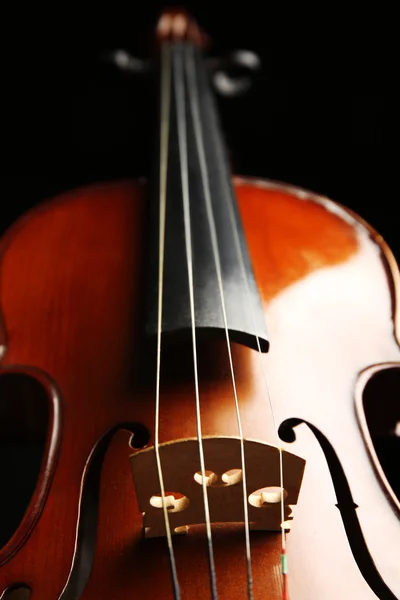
(72, 306)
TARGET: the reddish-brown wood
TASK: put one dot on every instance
(71, 297)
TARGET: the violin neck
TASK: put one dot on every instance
(191, 166)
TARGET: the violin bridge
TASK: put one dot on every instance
(183, 481)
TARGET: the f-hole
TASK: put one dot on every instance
(24, 420)
(87, 527)
(347, 508)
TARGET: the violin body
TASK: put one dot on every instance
(71, 281)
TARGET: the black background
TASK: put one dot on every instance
(318, 116)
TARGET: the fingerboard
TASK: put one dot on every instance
(191, 163)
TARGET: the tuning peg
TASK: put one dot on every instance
(233, 75)
(126, 62)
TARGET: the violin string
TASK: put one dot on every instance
(266, 385)
(183, 155)
(195, 109)
(221, 158)
(164, 140)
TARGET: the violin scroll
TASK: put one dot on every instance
(178, 26)
(232, 75)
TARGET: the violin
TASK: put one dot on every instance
(202, 344)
